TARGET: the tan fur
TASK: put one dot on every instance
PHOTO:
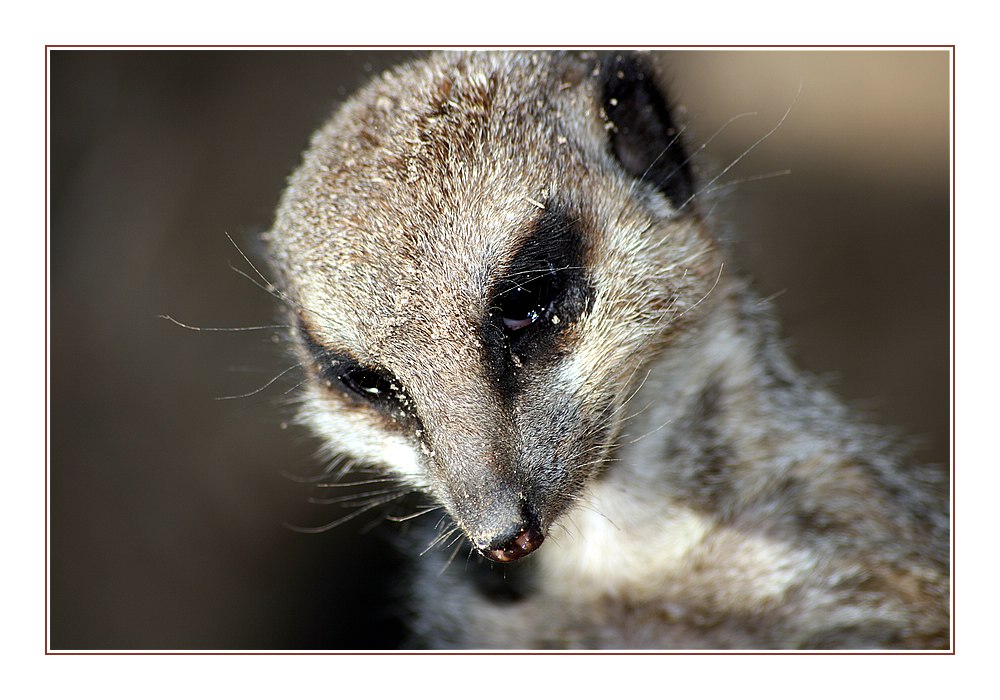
(694, 490)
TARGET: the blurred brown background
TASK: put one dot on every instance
(168, 506)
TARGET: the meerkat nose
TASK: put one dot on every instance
(520, 540)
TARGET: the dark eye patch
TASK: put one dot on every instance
(341, 371)
(543, 289)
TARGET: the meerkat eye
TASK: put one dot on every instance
(334, 367)
(526, 302)
(369, 384)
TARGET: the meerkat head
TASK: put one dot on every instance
(481, 252)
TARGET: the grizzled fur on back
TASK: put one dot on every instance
(506, 296)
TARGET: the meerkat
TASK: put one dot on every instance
(506, 295)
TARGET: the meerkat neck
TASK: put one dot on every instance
(708, 429)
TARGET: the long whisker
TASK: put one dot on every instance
(271, 289)
(365, 482)
(663, 152)
(250, 263)
(189, 327)
(745, 153)
(456, 548)
(351, 498)
(261, 388)
(744, 180)
(350, 516)
(404, 518)
(441, 537)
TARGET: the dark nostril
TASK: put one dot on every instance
(520, 541)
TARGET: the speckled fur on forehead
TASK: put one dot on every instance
(429, 178)
(414, 158)
(393, 183)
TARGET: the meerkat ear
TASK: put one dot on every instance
(643, 137)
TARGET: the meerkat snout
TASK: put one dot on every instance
(519, 541)
(521, 536)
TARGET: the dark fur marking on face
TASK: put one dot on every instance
(644, 138)
(371, 386)
(543, 290)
